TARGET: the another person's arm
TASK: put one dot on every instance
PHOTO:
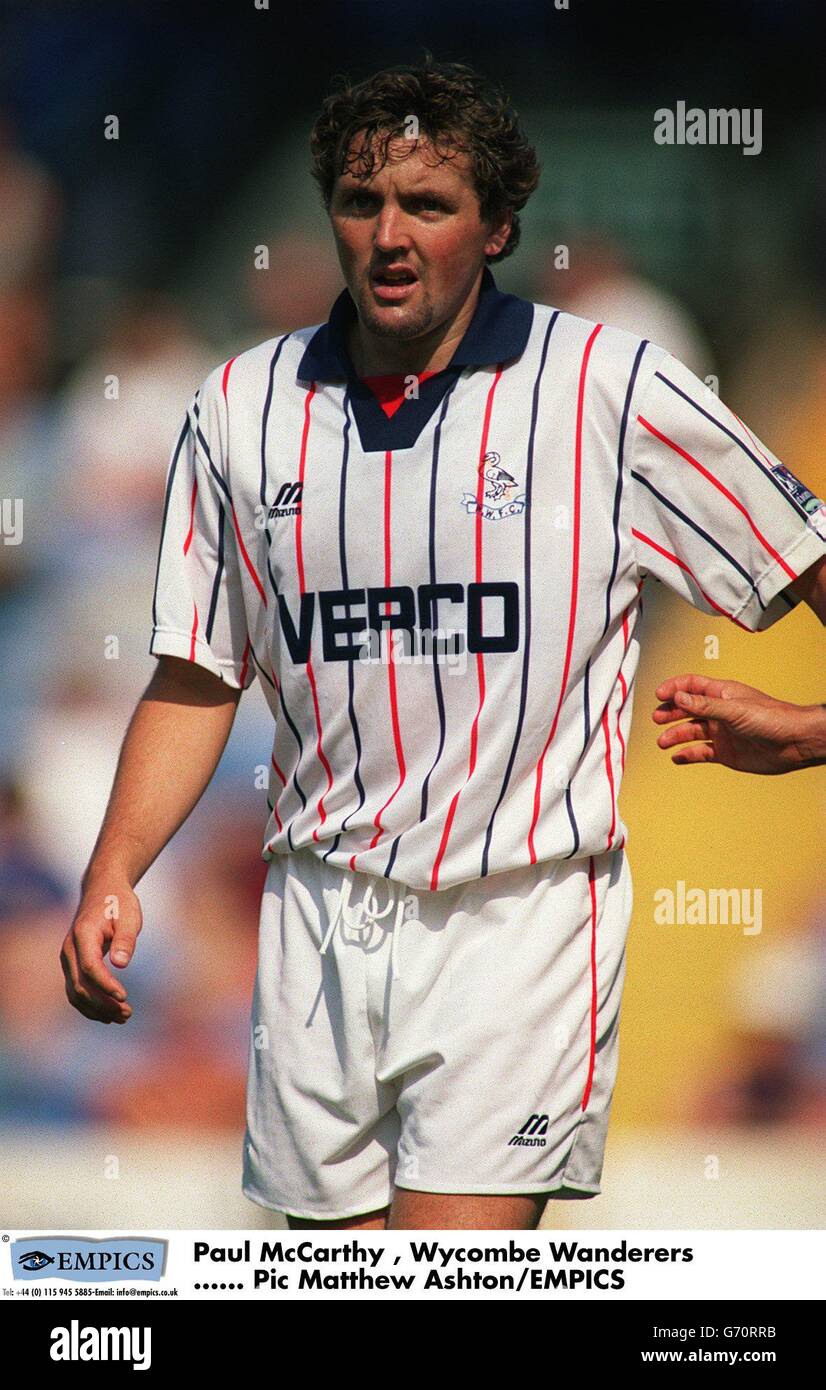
(172, 746)
(721, 721)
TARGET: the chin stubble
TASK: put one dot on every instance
(407, 327)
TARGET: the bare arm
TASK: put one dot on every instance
(727, 722)
(171, 749)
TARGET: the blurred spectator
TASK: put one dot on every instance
(600, 284)
(31, 204)
(28, 883)
(299, 287)
(777, 1072)
(123, 410)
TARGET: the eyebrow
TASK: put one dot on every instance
(348, 183)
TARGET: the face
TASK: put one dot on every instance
(410, 239)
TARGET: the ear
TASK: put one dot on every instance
(498, 233)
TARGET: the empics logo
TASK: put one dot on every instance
(114, 1259)
(531, 1135)
(76, 1343)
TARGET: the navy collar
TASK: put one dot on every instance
(498, 331)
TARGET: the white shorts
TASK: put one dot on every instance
(464, 1040)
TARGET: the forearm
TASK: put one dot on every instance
(812, 740)
(172, 746)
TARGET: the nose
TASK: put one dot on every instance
(390, 230)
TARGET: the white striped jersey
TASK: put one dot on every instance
(442, 602)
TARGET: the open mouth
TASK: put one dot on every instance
(394, 282)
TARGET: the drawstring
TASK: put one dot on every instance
(366, 916)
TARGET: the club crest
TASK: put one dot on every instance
(497, 495)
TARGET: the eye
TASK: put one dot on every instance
(359, 199)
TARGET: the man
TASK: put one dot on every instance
(425, 526)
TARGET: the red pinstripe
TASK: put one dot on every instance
(225, 377)
(720, 488)
(194, 632)
(299, 555)
(537, 795)
(480, 661)
(683, 566)
(391, 668)
(245, 664)
(275, 802)
(610, 774)
(592, 1049)
(272, 757)
(623, 687)
(247, 561)
(754, 442)
(188, 541)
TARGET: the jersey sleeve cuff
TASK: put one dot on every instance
(165, 642)
(806, 549)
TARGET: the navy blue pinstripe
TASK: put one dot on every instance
(766, 471)
(265, 416)
(437, 679)
(345, 584)
(526, 659)
(609, 588)
(169, 485)
(672, 507)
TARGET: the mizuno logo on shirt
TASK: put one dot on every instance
(288, 501)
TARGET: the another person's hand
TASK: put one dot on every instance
(107, 922)
(722, 721)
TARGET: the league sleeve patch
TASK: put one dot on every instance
(814, 507)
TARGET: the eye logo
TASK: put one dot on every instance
(34, 1260)
(87, 1260)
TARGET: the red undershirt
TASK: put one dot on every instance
(389, 389)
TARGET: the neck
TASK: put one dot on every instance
(375, 355)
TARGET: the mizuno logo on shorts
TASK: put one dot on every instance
(531, 1132)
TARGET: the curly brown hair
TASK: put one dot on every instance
(458, 111)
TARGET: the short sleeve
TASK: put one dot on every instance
(198, 608)
(716, 516)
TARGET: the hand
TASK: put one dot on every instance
(108, 921)
(736, 725)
